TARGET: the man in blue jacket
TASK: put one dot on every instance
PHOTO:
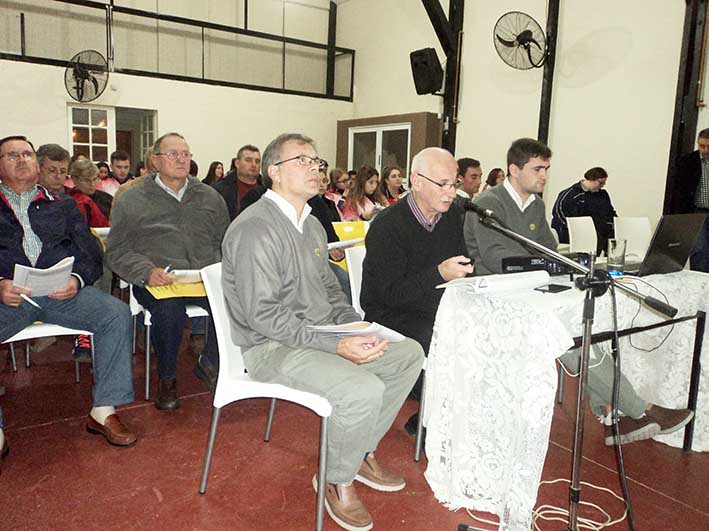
(38, 230)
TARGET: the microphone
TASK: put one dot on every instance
(482, 212)
(466, 527)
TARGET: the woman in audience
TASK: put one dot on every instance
(390, 185)
(336, 192)
(94, 204)
(495, 177)
(363, 199)
(215, 173)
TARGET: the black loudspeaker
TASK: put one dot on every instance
(427, 71)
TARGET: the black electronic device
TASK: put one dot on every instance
(427, 71)
(520, 264)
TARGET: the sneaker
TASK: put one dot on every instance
(205, 370)
(373, 475)
(82, 349)
(632, 430)
(344, 507)
(670, 420)
(42, 343)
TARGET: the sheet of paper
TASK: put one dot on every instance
(185, 276)
(193, 289)
(359, 328)
(43, 281)
(344, 243)
(500, 283)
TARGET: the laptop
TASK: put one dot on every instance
(670, 246)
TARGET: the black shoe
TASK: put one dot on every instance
(206, 371)
(167, 395)
(412, 424)
(82, 349)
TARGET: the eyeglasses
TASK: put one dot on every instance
(174, 155)
(54, 171)
(14, 156)
(305, 160)
(443, 186)
(343, 181)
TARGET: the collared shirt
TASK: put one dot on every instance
(420, 216)
(516, 197)
(20, 204)
(177, 195)
(701, 197)
(289, 210)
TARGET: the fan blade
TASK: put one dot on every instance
(509, 44)
(94, 81)
(524, 37)
(536, 43)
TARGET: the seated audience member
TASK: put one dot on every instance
(215, 173)
(94, 204)
(495, 177)
(390, 186)
(148, 167)
(194, 169)
(107, 181)
(469, 176)
(53, 168)
(39, 231)
(274, 287)
(586, 198)
(363, 196)
(519, 206)
(324, 210)
(337, 191)
(140, 169)
(168, 221)
(239, 181)
(412, 247)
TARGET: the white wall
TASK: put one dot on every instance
(216, 121)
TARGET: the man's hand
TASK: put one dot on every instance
(337, 254)
(361, 349)
(455, 267)
(67, 292)
(158, 277)
(10, 295)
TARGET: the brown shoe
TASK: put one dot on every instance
(167, 395)
(373, 475)
(632, 430)
(344, 507)
(670, 420)
(114, 430)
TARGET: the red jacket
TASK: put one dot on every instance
(92, 214)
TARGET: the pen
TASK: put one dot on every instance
(26, 298)
(167, 268)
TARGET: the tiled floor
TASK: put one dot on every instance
(57, 476)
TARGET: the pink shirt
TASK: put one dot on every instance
(108, 185)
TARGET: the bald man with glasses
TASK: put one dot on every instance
(168, 221)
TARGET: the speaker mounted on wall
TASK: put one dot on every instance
(427, 71)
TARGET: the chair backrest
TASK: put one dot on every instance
(555, 234)
(355, 257)
(230, 360)
(636, 232)
(349, 230)
(582, 235)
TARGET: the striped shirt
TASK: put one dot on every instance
(20, 204)
(420, 216)
(701, 198)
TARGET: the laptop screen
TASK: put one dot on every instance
(671, 244)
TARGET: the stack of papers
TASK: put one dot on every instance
(359, 328)
(43, 281)
(500, 283)
(187, 283)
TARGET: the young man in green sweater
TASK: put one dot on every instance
(277, 282)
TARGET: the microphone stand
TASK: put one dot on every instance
(595, 286)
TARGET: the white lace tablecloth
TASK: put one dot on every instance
(491, 379)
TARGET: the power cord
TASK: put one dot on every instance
(637, 313)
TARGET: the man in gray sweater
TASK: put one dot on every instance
(168, 221)
(276, 282)
(517, 204)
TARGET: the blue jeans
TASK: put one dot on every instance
(168, 319)
(699, 258)
(110, 321)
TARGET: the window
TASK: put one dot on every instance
(92, 132)
(380, 146)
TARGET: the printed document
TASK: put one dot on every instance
(43, 281)
(360, 328)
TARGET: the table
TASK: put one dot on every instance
(491, 380)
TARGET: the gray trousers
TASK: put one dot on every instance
(600, 383)
(365, 398)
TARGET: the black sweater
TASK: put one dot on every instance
(400, 270)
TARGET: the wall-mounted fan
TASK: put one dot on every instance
(519, 41)
(86, 75)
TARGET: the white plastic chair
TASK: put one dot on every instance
(39, 329)
(354, 257)
(637, 234)
(234, 384)
(192, 311)
(582, 235)
(560, 247)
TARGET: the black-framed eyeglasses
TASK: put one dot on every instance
(305, 160)
(443, 186)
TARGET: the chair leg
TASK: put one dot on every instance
(135, 330)
(13, 358)
(560, 385)
(27, 354)
(147, 362)
(322, 467)
(210, 448)
(269, 422)
(419, 427)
